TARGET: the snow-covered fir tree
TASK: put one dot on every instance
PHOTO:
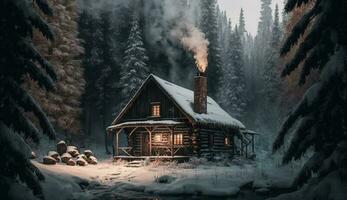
(107, 86)
(135, 68)
(209, 26)
(262, 39)
(19, 58)
(89, 34)
(242, 24)
(271, 86)
(224, 30)
(233, 94)
(320, 117)
(62, 105)
(271, 75)
(104, 33)
(265, 23)
(257, 65)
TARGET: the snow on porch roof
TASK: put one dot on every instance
(185, 99)
(145, 123)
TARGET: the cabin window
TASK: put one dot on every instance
(155, 110)
(158, 137)
(227, 141)
(178, 139)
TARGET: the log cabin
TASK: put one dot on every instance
(165, 120)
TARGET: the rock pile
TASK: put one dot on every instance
(69, 155)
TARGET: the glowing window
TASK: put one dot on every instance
(178, 139)
(158, 137)
(155, 110)
(226, 141)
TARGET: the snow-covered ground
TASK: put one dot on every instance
(108, 179)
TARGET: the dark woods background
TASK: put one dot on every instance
(103, 50)
(243, 71)
(68, 67)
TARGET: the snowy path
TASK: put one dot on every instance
(109, 180)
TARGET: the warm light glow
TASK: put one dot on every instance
(158, 137)
(178, 139)
(156, 110)
(226, 141)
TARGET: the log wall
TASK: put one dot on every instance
(212, 142)
(163, 146)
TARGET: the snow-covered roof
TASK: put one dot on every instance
(249, 132)
(144, 123)
(185, 100)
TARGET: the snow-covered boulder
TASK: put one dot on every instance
(76, 154)
(58, 159)
(61, 147)
(88, 153)
(92, 160)
(48, 160)
(33, 155)
(81, 162)
(54, 155)
(71, 162)
(82, 156)
(65, 157)
(72, 150)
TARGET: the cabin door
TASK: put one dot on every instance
(145, 144)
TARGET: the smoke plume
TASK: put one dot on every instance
(194, 41)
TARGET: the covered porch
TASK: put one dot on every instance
(148, 139)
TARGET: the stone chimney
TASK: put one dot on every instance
(200, 93)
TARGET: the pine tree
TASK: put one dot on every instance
(135, 69)
(257, 67)
(106, 84)
(271, 74)
(209, 27)
(233, 96)
(263, 37)
(265, 23)
(62, 106)
(271, 89)
(104, 34)
(19, 58)
(89, 35)
(242, 24)
(320, 117)
(285, 16)
(224, 30)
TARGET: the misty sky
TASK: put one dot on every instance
(251, 8)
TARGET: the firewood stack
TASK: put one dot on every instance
(69, 155)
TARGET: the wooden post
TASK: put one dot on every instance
(117, 141)
(150, 143)
(241, 150)
(172, 142)
(233, 143)
(246, 151)
(150, 140)
(117, 144)
(113, 143)
(252, 144)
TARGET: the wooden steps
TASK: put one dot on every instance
(135, 163)
(152, 158)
